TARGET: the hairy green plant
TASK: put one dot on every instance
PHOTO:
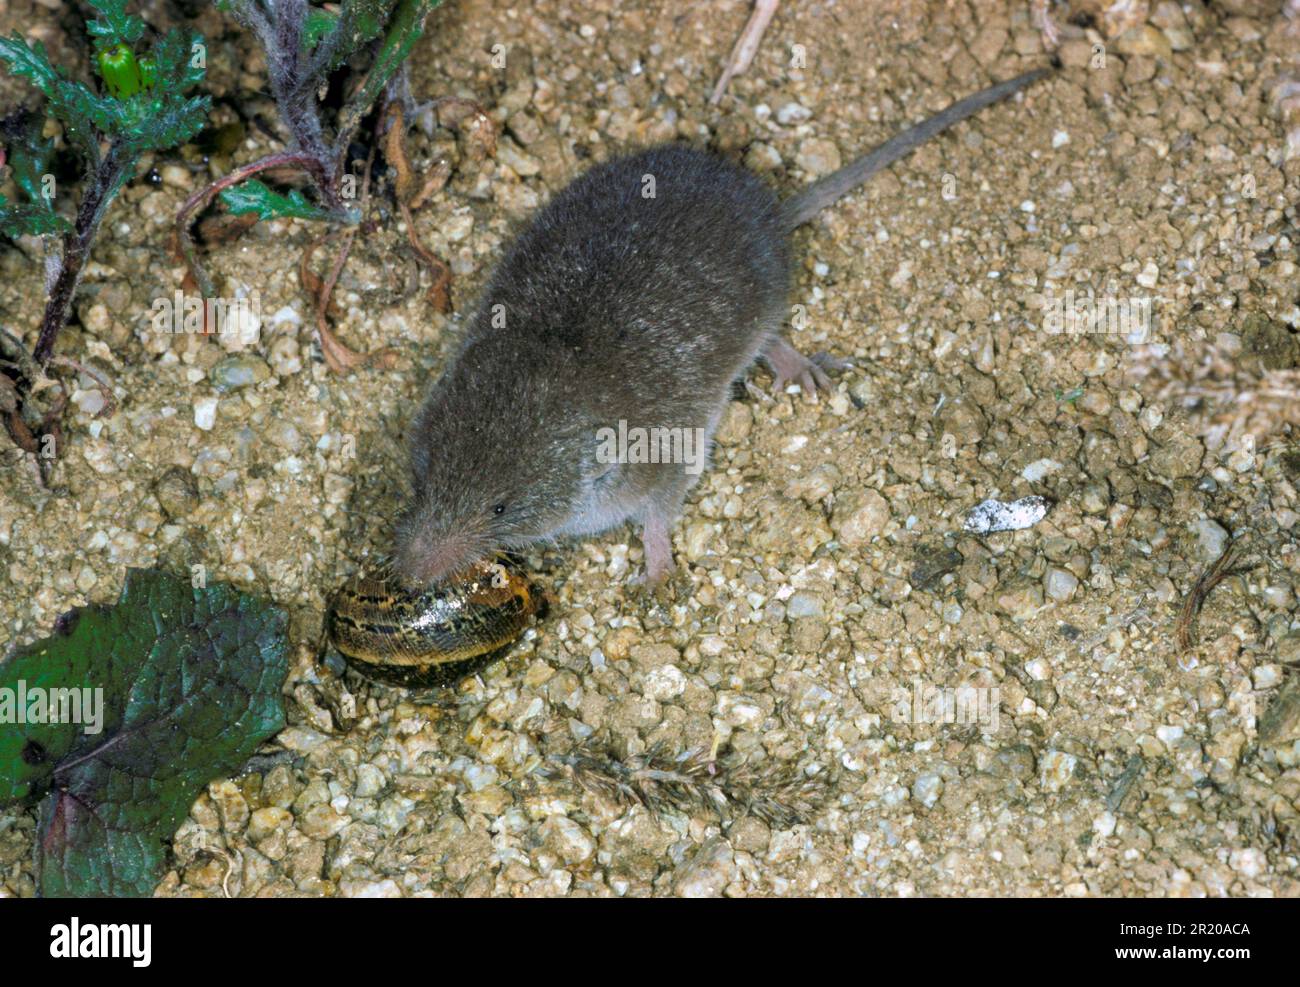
(143, 107)
(304, 46)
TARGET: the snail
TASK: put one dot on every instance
(436, 635)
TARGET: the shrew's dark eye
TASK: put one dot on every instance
(499, 509)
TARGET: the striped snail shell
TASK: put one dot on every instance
(436, 635)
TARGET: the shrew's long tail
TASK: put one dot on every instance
(804, 205)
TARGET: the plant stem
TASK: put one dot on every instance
(111, 171)
(404, 29)
(293, 87)
(304, 124)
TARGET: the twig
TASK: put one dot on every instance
(12, 397)
(312, 282)
(104, 385)
(204, 196)
(438, 175)
(408, 199)
(394, 118)
(339, 357)
(780, 795)
(440, 287)
(1215, 574)
(746, 46)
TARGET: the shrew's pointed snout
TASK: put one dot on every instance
(425, 557)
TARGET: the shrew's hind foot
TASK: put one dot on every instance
(789, 366)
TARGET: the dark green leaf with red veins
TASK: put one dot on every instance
(191, 682)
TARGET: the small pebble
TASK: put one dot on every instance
(205, 413)
(1211, 539)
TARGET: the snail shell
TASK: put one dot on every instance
(436, 635)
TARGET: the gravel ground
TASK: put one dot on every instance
(828, 600)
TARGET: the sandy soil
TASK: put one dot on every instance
(825, 580)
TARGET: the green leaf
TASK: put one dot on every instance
(159, 117)
(157, 123)
(29, 62)
(81, 111)
(175, 69)
(319, 24)
(87, 112)
(254, 197)
(114, 25)
(29, 153)
(402, 32)
(147, 120)
(29, 219)
(189, 681)
(360, 21)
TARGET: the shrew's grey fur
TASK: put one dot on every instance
(637, 295)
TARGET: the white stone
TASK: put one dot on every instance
(387, 888)
(1060, 584)
(370, 781)
(1039, 468)
(1267, 676)
(792, 113)
(1211, 539)
(1169, 736)
(205, 413)
(1055, 769)
(664, 682)
(1248, 862)
(927, 788)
